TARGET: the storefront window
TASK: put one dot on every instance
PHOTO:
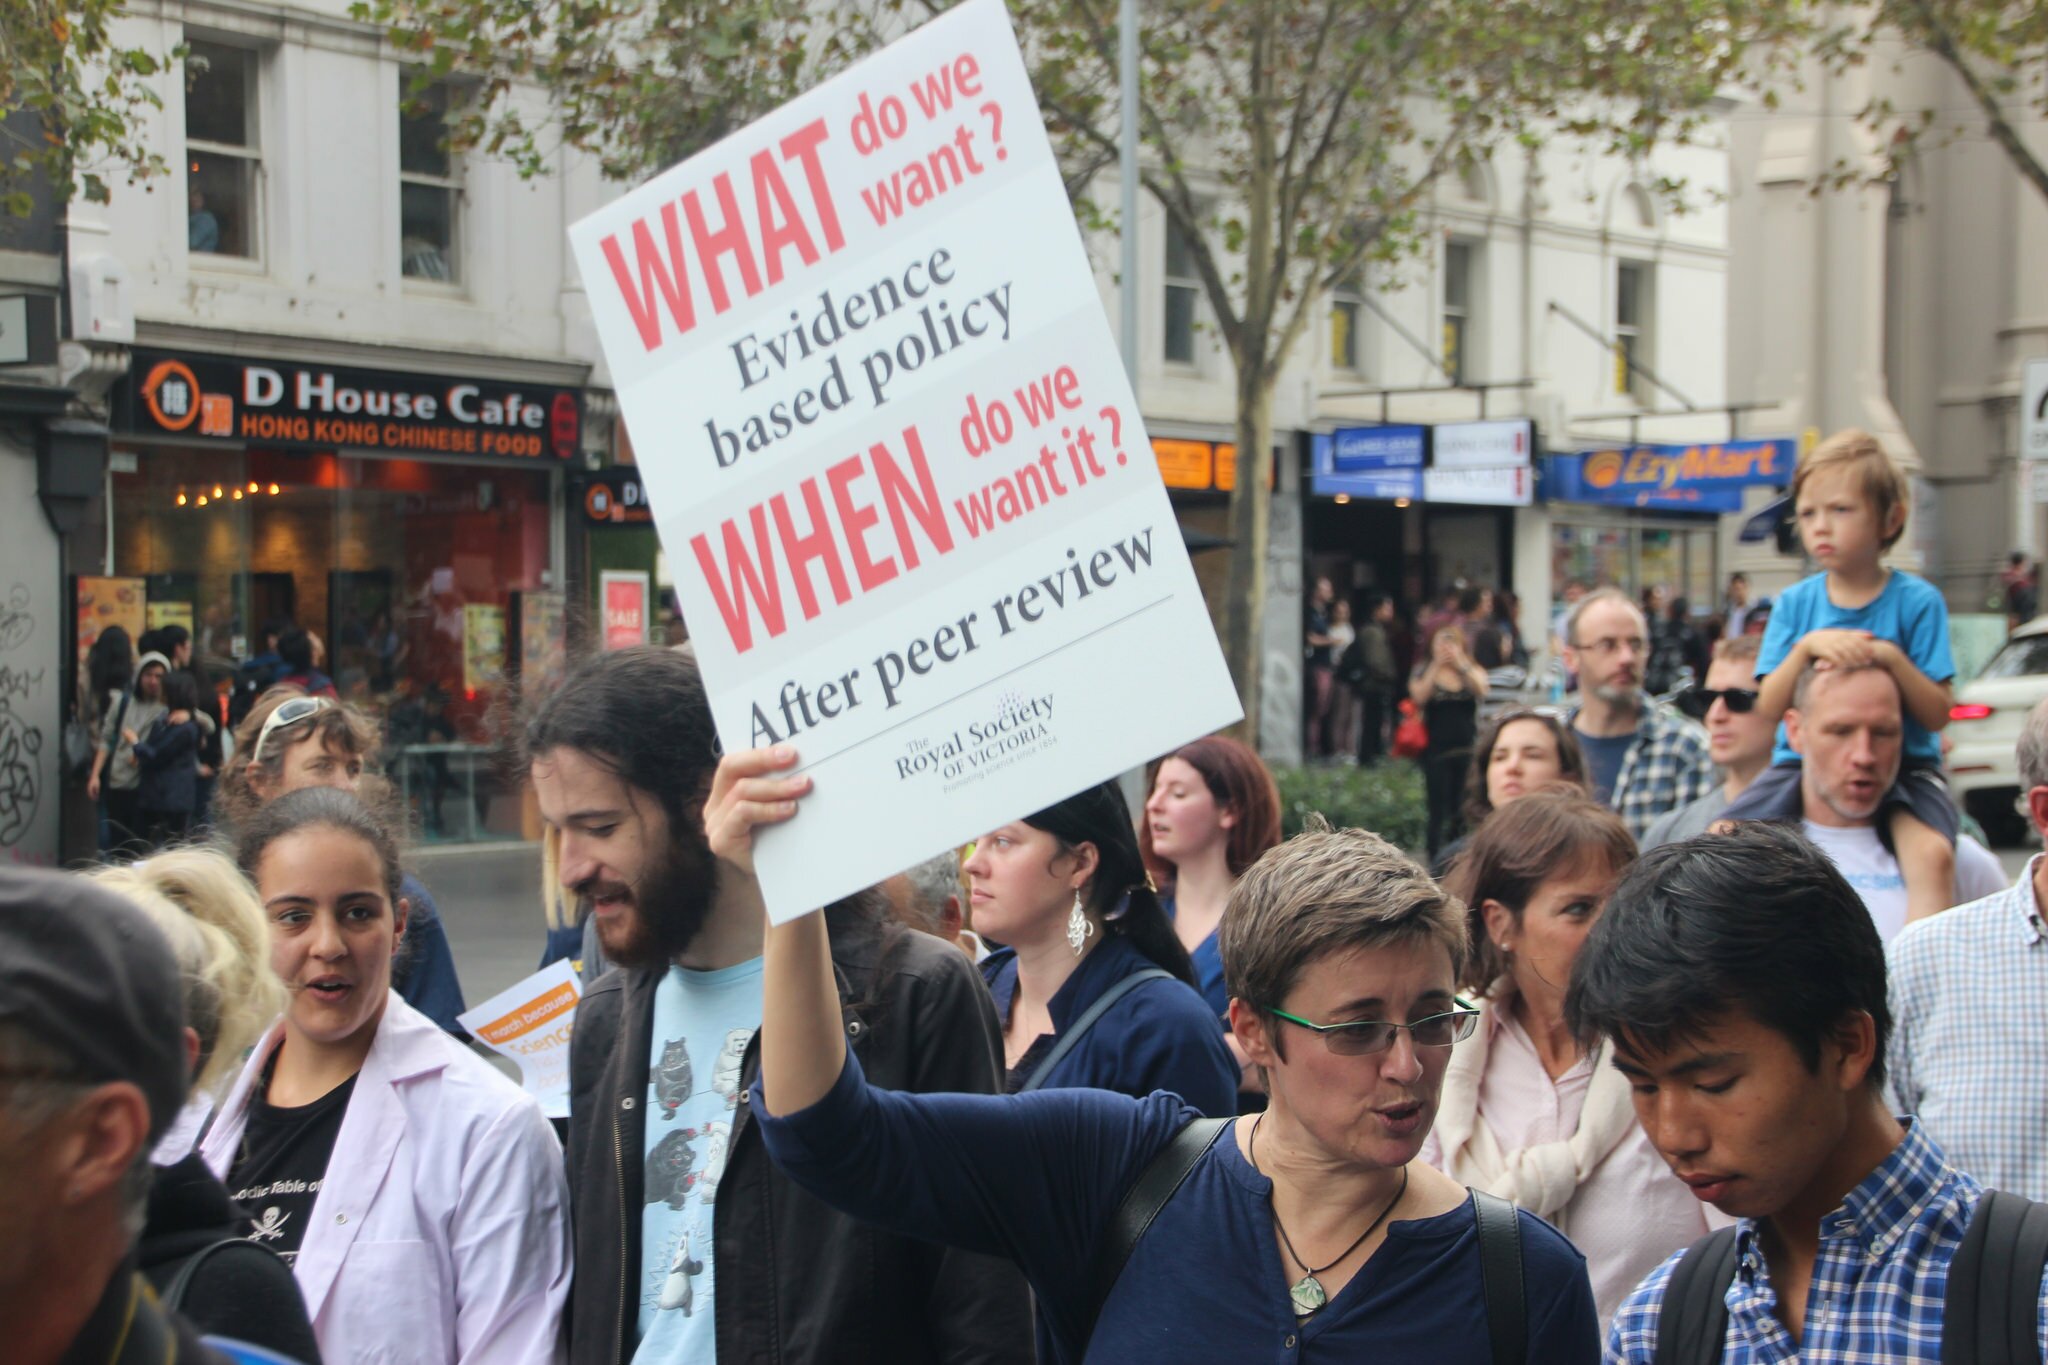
(1677, 557)
(406, 571)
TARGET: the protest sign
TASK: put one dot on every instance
(531, 1023)
(890, 447)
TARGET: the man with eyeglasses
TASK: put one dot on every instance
(1739, 736)
(1642, 758)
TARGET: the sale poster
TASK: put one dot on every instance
(918, 529)
(531, 1023)
(625, 596)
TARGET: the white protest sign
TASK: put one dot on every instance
(917, 529)
(531, 1023)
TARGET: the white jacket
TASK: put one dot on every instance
(441, 1234)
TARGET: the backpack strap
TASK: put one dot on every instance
(174, 1293)
(1065, 1043)
(1152, 1191)
(1991, 1309)
(1692, 1321)
(1500, 1276)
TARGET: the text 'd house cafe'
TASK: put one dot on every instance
(404, 519)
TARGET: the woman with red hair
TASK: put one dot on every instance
(1214, 809)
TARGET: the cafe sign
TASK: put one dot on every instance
(286, 405)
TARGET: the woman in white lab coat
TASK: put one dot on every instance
(418, 1194)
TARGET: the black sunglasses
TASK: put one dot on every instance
(1700, 700)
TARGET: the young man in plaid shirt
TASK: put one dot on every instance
(1642, 759)
(1743, 985)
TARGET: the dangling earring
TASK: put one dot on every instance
(1079, 926)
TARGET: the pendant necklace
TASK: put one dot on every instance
(1307, 1292)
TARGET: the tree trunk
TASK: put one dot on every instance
(1250, 528)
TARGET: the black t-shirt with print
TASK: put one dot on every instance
(283, 1163)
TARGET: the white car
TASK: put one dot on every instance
(1984, 728)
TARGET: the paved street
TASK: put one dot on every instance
(489, 898)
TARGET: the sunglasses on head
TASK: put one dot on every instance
(1700, 700)
(289, 713)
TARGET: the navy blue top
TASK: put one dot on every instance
(424, 972)
(1035, 1177)
(168, 757)
(1161, 1036)
(1208, 960)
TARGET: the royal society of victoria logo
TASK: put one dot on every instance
(1014, 727)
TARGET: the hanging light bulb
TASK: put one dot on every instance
(202, 499)
(238, 495)
(217, 494)
(181, 497)
(253, 486)
(273, 490)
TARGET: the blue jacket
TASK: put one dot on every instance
(424, 974)
(168, 757)
(1161, 1036)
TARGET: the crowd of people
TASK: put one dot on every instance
(1641, 1062)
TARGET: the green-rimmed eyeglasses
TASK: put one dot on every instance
(1367, 1036)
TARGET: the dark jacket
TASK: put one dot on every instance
(1161, 1036)
(237, 1294)
(423, 974)
(169, 759)
(797, 1281)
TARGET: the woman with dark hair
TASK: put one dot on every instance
(1213, 810)
(418, 1195)
(1066, 890)
(1527, 1112)
(168, 760)
(1519, 751)
(290, 741)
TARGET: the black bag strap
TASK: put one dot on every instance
(1991, 1308)
(1692, 1321)
(1500, 1277)
(1064, 1044)
(174, 1293)
(1152, 1191)
(120, 714)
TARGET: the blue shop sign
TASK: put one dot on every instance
(1693, 478)
(1381, 463)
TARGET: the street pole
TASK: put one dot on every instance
(1127, 166)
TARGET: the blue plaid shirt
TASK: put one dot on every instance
(1969, 989)
(1668, 766)
(1876, 1297)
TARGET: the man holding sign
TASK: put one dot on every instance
(691, 1246)
(884, 428)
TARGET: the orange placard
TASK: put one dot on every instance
(1226, 467)
(531, 1015)
(1185, 464)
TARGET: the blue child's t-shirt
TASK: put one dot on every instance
(1909, 612)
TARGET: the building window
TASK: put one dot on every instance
(429, 186)
(1457, 309)
(1631, 329)
(223, 156)
(1183, 295)
(1347, 307)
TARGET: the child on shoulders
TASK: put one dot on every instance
(1852, 503)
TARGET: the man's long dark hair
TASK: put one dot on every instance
(1120, 894)
(643, 714)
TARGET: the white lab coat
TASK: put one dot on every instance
(441, 1234)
